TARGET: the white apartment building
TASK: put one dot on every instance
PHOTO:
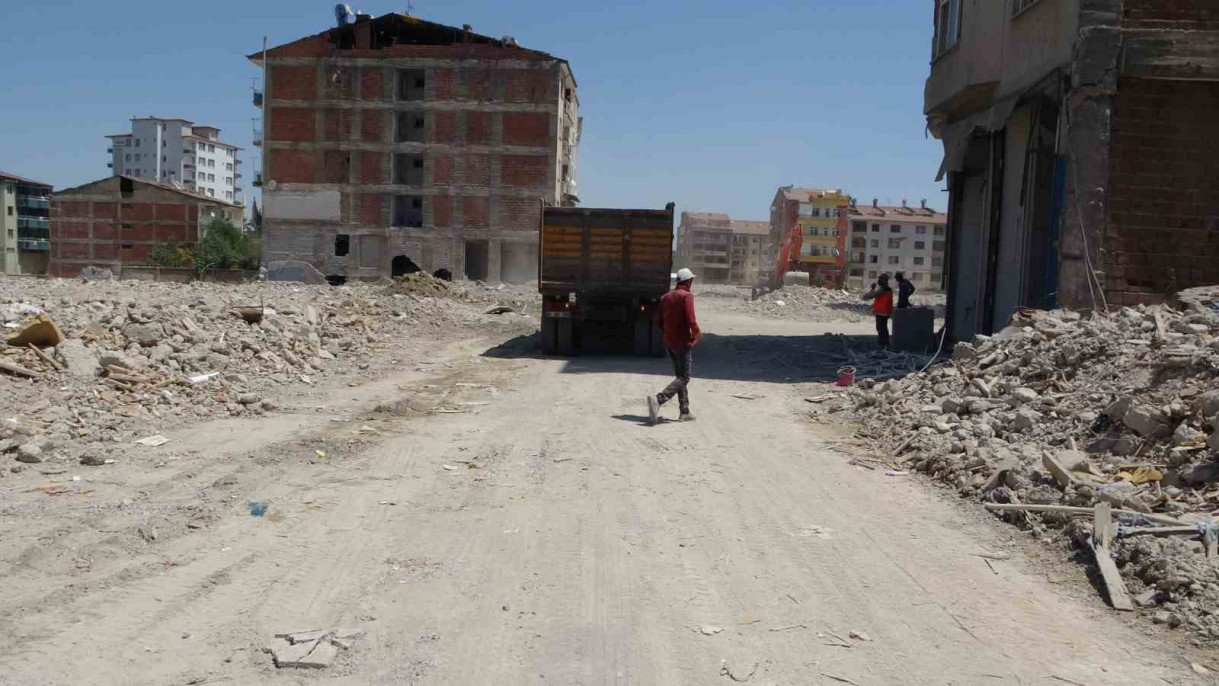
(176, 151)
(896, 239)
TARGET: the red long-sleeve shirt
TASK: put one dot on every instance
(675, 317)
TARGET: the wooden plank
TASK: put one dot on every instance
(19, 371)
(1061, 474)
(1161, 519)
(44, 357)
(1102, 534)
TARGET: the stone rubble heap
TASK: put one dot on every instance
(138, 356)
(815, 304)
(1062, 409)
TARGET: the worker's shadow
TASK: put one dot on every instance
(639, 419)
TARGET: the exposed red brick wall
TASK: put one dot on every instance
(140, 211)
(337, 83)
(173, 213)
(74, 251)
(293, 82)
(1198, 15)
(372, 125)
(290, 166)
(445, 83)
(105, 210)
(519, 214)
(136, 254)
(372, 165)
(524, 171)
(442, 210)
(475, 211)
(138, 232)
(71, 229)
(444, 126)
(336, 165)
(479, 127)
(442, 169)
(526, 128)
(292, 124)
(1163, 228)
(522, 85)
(336, 125)
(72, 209)
(371, 83)
(107, 232)
(106, 251)
(478, 170)
(169, 233)
(478, 84)
(372, 209)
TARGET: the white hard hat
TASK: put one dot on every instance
(684, 275)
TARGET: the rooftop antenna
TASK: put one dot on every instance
(342, 14)
(410, 8)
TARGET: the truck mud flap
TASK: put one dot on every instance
(566, 344)
(549, 335)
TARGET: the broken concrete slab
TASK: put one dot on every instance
(288, 654)
(1145, 421)
(81, 360)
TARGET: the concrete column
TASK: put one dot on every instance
(494, 261)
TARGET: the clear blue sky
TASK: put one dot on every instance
(709, 104)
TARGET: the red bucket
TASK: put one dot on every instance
(846, 376)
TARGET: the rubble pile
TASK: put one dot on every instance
(815, 304)
(136, 357)
(1062, 409)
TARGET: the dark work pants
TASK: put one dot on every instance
(882, 331)
(683, 364)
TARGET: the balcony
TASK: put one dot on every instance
(257, 180)
(34, 239)
(236, 176)
(257, 98)
(35, 202)
(33, 224)
(109, 151)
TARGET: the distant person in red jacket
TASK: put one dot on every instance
(881, 296)
(675, 317)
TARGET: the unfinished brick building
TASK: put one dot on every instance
(1080, 152)
(394, 144)
(119, 219)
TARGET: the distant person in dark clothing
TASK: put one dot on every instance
(881, 296)
(905, 289)
(675, 317)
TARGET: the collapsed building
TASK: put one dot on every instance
(392, 145)
(1079, 153)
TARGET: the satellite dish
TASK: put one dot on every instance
(342, 14)
(272, 185)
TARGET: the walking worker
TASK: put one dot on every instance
(881, 296)
(905, 289)
(675, 317)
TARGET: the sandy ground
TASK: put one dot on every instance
(491, 516)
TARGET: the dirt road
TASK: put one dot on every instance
(498, 518)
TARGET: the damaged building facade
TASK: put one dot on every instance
(1079, 152)
(392, 145)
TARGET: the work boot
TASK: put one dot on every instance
(685, 417)
(653, 409)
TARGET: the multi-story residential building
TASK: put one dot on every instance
(720, 249)
(750, 246)
(394, 144)
(1079, 150)
(176, 151)
(25, 225)
(896, 239)
(818, 212)
(118, 220)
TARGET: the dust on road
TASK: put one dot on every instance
(500, 518)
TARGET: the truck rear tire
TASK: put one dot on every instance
(643, 337)
(566, 336)
(549, 335)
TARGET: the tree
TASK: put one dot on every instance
(224, 246)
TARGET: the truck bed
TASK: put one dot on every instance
(605, 251)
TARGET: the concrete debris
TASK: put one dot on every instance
(140, 358)
(1134, 388)
(805, 303)
(315, 649)
(92, 273)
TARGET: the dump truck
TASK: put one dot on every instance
(601, 273)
